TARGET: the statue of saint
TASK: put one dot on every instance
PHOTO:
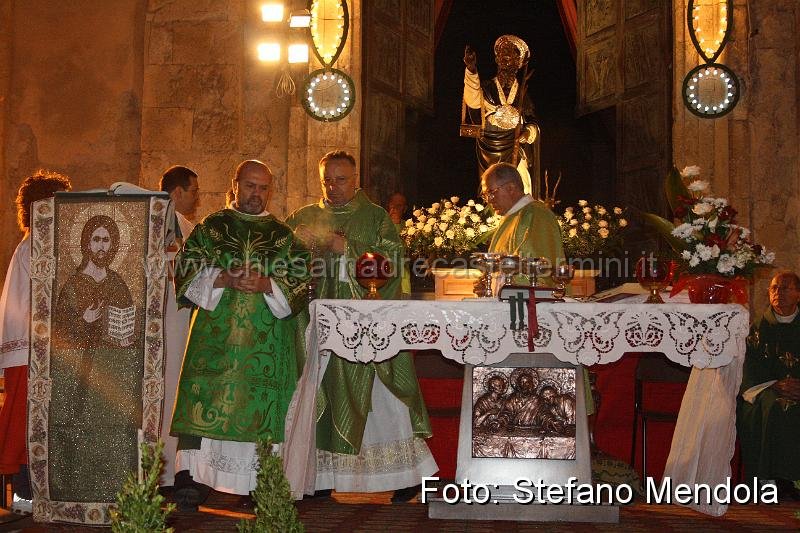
(509, 133)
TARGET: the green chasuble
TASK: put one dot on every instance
(769, 428)
(344, 399)
(241, 363)
(530, 232)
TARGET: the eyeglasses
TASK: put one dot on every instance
(489, 195)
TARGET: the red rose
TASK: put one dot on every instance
(680, 211)
(727, 213)
(757, 249)
(713, 239)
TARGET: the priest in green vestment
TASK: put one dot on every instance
(371, 419)
(245, 275)
(527, 228)
(768, 420)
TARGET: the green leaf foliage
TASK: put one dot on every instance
(664, 227)
(675, 188)
(139, 505)
(275, 509)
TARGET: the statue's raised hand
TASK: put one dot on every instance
(470, 59)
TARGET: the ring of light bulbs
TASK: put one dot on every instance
(345, 95)
(721, 101)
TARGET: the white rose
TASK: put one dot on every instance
(623, 223)
(573, 232)
(445, 216)
(587, 209)
(470, 232)
(617, 210)
(475, 218)
(409, 223)
(431, 210)
(420, 225)
(483, 228)
(573, 222)
(697, 185)
(436, 206)
(690, 171)
(568, 215)
(423, 218)
(450, 234)
(438, 241)
(442, 227)
(462, 221)
(603, 232)
(701, 208)
(725, 264)
(585, 226)
(582, 203)
(603, 224)
(478, 207)
(471, 203)
(684, 231)
(454, 199)
(417, 212)
(448, 205)
(428, 229)
(411, 231)
(601, 210)
(587, 216)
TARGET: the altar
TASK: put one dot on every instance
(709, 338)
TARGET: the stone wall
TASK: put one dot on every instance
(72, 82)
(113, 90)
(751, 154)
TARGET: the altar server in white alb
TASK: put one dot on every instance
(15, 305)
(181, 184)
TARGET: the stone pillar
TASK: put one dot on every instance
(751, 154)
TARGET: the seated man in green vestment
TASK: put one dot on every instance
(768, 420)
(371, 420)
(245, 275)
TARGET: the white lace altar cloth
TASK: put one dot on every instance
(710, 338)
(479, 331)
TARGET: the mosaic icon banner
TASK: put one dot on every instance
(98, 280)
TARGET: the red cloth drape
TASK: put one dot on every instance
(13, 420)
(568, 9)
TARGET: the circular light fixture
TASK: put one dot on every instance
(710, 90)
(328, 94)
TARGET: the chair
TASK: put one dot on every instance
(653, 368)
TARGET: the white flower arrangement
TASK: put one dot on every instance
(708, 238)
(587, 231)
(447, 228)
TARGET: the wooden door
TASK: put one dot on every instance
(398, 48)
(624, 61)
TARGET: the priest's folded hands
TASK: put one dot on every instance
(244, 280)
